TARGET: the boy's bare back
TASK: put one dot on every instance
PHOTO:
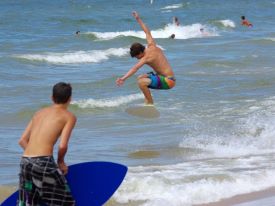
(45, 128)
(155, 58)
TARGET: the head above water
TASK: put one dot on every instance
(62, 93)
(243, 17)
(136, 50)
(172, 36)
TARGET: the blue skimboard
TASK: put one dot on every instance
(91, 183)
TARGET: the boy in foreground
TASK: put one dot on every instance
(42, 180)
(154, 57)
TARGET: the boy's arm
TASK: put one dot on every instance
(133, 70)
(23, 141)
(149, 37)
(63, 145)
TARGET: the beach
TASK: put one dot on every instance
(265, 197)
(214, 141)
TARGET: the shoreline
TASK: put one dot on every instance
(253, 198)
(264, 197)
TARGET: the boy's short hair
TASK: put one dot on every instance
(62, 92)
(136, 49)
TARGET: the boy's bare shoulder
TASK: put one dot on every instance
(71, 116)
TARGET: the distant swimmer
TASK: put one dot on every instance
(172, 36)
(245, 22)
(203, 32)
(163, 78)
(77, 32)
(176, 21)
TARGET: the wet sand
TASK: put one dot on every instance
(264, 198)
(6, 191)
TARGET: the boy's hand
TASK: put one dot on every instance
(63, 167)
(119, 81)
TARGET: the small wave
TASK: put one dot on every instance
(103, 103)
(112, 35)
(173, 6)
(271, 38)
(228, 23)
(181, 32)
(251, 135)
(189, 183)
(93, 56)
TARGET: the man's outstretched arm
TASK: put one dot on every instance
(149, 37)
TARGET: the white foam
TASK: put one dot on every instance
(93, 56)
(181, 32)
(228, 23)
(271, 39)
(173, 6)
(188, 184)
(254, 134)
(110, 102)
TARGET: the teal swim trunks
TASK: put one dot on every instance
(161, 82)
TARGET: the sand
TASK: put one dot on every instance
(6, 191)
(260, 198)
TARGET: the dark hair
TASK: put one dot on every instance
(173, 36)
(62, 93)
(243, 17)
(136, 49)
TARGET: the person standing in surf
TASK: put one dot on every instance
(41, 179)
(163, 78)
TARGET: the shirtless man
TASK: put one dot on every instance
(154, 57)
(245, 22)
(41, 179)
(176, 21)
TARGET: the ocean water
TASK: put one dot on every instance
(215, 137)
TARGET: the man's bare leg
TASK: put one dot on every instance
(143, 83)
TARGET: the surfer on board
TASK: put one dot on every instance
(163, 75)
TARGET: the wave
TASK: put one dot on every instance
(93, 56)
(181, 32)
(223, 167)
(110, 102)
(228, 23)
(253, 135)
(190, 183)
(270, 39)
(173, 6)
